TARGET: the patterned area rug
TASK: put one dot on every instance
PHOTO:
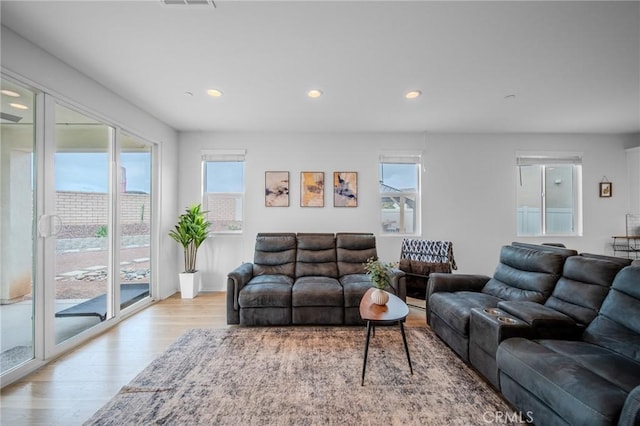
(304, 376)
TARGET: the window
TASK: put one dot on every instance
(223, 195)
(400, 193)
(549, 194)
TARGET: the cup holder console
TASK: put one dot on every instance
(499, 315)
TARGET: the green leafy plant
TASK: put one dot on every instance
(378, 272)
(102, 232)
(190, 232)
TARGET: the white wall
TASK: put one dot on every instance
(477, 173)
(30, 64)
(321, 152)
(469, 190)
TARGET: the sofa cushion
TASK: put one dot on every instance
(584, 284)
(455, 308)
(266, 291)
(525, 274)
(617, 326)
(354, 287)
(352, 251)
(316, 256)
(275, 254)
(317, 291)
(582, 383)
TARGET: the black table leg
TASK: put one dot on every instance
(366, 351)
(406, 348)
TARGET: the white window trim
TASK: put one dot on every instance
(403, 157)
(546, 158)
(223, 155)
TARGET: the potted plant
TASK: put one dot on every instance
(190, 232)
(379, 275)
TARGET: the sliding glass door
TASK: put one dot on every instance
(17, 224)
(76, 216)
(90, 274)
(135, 208)
(83, 204)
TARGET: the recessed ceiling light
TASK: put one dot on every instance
(214, 92)
(19, 106)
(314, 93)
(413, 94)
(10, 93)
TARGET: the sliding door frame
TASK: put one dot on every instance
(43, 284)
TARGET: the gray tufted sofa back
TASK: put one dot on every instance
(275, 254)
(525, 274)
(316, 256)
(353, 250)
(583, 286)
(617, 326)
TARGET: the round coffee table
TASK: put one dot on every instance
(395, 311)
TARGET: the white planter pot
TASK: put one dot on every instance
(189, 284)
(379, 297)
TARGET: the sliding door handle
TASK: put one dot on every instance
(49, 225)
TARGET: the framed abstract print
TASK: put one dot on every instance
(311, 189)
(276, 189)
(345, 189)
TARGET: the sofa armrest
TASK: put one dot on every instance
(441, 282)
(630, 415)
(237, 279)
(536, 315)
(398, 283)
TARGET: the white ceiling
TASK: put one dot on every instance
(573, 66)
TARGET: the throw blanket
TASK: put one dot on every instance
(424, 256)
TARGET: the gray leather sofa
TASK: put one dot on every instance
(304, 279)
(524, 273)
(592, 380)
(573, 304)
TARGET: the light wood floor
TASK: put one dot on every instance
(70, 389)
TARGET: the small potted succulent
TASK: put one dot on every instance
(379, 275)
(190, 232)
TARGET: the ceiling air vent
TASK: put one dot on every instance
(188, 3)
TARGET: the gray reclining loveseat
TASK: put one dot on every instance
(304, 279)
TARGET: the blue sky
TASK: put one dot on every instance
(400, 176)
(88, 172)
(224, 176)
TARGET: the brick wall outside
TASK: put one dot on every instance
(83, 208)
(91, 208)
(221, 208)
(222, 212)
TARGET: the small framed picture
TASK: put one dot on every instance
(311, 189)
(345, 189)
(606, 189)
(276, 189)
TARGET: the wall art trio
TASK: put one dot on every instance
(312, 184)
